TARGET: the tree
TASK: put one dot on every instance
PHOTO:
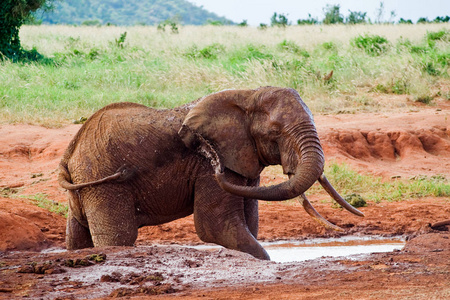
(13, 14)
(380, 13)
(356, 17)
(243, 23)
(279, 20)
(332, 14)
(403, 21)
(441, 19)
(423, 20)
(309, 21)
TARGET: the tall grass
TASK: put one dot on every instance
(86, 68)
(374, 188)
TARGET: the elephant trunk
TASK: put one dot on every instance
(303, 151)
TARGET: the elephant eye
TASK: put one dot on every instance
(274, 129)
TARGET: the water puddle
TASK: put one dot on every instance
(290, 251)
(349, 247)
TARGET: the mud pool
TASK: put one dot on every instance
(350, 247)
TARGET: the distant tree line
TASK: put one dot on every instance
(333, 15)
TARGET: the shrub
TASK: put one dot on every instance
(332, 14)
(91, 23)
(403, 21)
(330, 46)
(309, 21)
(208, 52)
(262, 26)
(374, 45)
(121, 40)
(173, 26)
(356, 17)
(279, 20)
(243, 24)
(292, 47)
(442, 35)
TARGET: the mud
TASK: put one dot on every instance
(35, 265)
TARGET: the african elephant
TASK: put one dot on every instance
(131, 166)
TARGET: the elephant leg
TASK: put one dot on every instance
(111, 216)
(220, 217)
(77, 236)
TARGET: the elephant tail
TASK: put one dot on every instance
(64, 179)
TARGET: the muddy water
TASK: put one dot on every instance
(350, 247)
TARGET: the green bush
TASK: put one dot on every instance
(442, 35)
(373, 45)
(208, 52)
(279, 20)
(91, 23)
(292, 47)
(330, 46)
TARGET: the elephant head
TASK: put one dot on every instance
(247, 130)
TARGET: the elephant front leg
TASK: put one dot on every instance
(220, 217)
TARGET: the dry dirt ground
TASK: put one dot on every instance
(34, 264)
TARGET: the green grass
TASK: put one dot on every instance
(41, 200)
(87, 68)
(347, 181)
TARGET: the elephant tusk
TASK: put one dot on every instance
(335, 195)
(315, 215)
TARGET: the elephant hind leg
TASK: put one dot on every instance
(111, 217)
(77, 236)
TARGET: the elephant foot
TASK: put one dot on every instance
(77, 236)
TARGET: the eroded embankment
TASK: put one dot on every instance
(395, 144)
(390, 145)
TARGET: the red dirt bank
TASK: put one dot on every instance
(416, 143)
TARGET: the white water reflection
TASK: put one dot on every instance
(348, 247)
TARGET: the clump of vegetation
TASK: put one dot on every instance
(243, 23)
(309, 21)
(356, 17)
(374, 188)
(98, 258)
(7, 192)
(292, 47)
(172, 24)
(91, 23)
(279, 20)
(42, 201)
(120, 41)
(355, 200)
(441, 35)
(208, 52)
(373, 45)
(262, 26)
(332, 14)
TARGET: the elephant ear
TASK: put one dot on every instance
(221, 121)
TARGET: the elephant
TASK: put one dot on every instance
(131, 166)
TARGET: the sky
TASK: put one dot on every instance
(260, 11)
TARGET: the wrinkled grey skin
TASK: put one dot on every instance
(131, 166)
